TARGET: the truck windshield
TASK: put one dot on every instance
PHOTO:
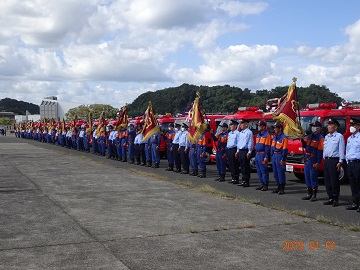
(306, 121)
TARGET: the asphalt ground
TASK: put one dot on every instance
(64, 209)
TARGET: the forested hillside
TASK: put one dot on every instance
(18, 107)
(223, 99)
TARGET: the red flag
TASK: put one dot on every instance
(150, 125)
(197, 123)
(286, 112)
(122, 118)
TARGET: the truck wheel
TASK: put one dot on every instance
(252, 164)
(343, 174)
(207, 158)
(300, 176)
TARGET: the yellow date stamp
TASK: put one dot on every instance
(308, 245)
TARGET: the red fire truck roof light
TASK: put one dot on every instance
(328, 105)
(251, 108)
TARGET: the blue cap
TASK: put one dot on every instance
(277, 124)
(261, 123)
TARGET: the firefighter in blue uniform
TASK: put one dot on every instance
(201, 153)
(130, 142)
(221, 141)
(353, 161)
(94, 142)
(262, 149)
(124, 144)
(314, 146)
(170, 135)
(334, 154)
(193, 161)
(279, 150)
(155, 144)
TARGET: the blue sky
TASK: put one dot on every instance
(111, 51)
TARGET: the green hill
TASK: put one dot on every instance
(18, 107)
(222, 99)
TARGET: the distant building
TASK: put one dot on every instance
(8, 115)
(29, 117)
(50, 107)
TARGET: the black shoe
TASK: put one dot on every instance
(232, 181)
(137, 163)
(313, 199)
(222, 180)
(281, 192)
(328, 202)
(241, 184)
(184, 172)
(131, 162)
(335, 203)
(259, 187)
(265, 188)
(236, 182)
(177, 171)
(358, 210)
(156, 165)
(352, 207)
(217, 179)
(246, 184)
(143, 164)
(307, 197)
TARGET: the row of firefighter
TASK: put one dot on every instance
(78, 133)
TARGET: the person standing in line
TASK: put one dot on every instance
(170, 135)
(314, 146)
(176, 148)
(184, 148)
(334, 154)
(244, 149)
(200, 154)
(231, 150)
(131, 139)
(221, 141)
(279, 150)
(154, 148)
(262, 149)
(137, 142)
(353, 161)
(94, 144)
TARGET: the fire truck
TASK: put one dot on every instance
(320, 112)
(251, 113)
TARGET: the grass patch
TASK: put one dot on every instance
(299, 213)
(193, 230)
(221, 228)
(353, 228)
(322, 219)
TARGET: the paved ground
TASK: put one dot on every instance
(62, 209)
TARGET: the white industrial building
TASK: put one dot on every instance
(50, 107)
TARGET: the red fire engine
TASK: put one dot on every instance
(320, 112)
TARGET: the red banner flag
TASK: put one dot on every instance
(197, 123)
(286, 112)
(122, 118)
(150, 125)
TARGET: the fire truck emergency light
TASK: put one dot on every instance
(251, 108)
(328, 105)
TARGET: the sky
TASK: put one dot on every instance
(111, 51)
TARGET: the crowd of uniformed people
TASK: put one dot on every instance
(234, 147)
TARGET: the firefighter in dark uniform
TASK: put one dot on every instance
(353, 161)
(244, 149)
(221, 141)
(334, 148)
(314, 146)
(279, 150)
(231, 150)
(262, 149)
